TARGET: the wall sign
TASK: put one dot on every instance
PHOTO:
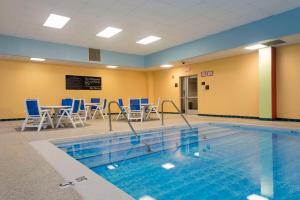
(83, 83)
(207, 73)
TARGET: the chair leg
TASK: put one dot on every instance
(80, 120)
(50, 120)
(59, 120)
(42, 121)
(94, 114)
(71, 120)
(24, 123)
(101, 112)
(142, 115)
(119, 115)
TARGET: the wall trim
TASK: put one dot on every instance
(228, 116)
(251, 117)
(204, 115)
(12, 119)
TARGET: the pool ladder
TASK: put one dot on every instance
(128, 121)
(178, 111)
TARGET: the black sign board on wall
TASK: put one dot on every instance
(83, 83)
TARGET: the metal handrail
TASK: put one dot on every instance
(129, 123)
(124, 114)
(162, 112)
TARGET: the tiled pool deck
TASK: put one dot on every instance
(24, 174)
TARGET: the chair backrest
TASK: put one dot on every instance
(144, 101)
(95, 100)
(135, 104)
(32, 107)
(82, 104)
(67, 102)
(76, 105)
(104, 104)
(120, 102)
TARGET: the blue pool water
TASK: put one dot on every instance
(209, 162)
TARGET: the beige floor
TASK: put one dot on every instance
(24, 174)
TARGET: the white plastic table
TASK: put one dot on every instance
(89, 106)
(56, 109)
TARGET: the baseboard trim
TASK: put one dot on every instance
(169, 113)
(204, 115)
(229, 116)
(12, 119)
(251, 117)
(288, 120)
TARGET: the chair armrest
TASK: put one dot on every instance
(45, 110)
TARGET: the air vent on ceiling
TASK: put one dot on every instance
(94, 55)
(274, 43)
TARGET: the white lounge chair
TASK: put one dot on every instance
(124, 108)
(71, 114)
(35, 117)
(100, 110)
(154, 109)
(135, 110)
(83, 110)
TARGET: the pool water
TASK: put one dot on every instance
(209, 162)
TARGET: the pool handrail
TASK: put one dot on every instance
(109, 116)
(128, 121)
(162, 112)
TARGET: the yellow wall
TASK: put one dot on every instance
(233, 88)
(288, 82)
(21, 80)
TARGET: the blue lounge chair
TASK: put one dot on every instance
(144, 101)
(135, 110)
(94, 109)
(71, 114)
(124, 108)
(67, 102)
(83, 111)
(35, 117)
(101, 110)
(154, 109)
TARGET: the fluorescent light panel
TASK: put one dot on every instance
(109, 32)
(38, 59)
(56, 21)
(148, 40)
(255, 46)
(166, 66)
(112, 66)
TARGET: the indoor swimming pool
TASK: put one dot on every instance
(209, 162)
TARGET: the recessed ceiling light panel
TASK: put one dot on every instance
(148, 40)
(56, 21)
(112, 66)
(38, 59)
(166, 66)
(109, 32)
(255, 47)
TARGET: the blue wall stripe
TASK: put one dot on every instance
(15, 46)
(283, 24)
(272, 27)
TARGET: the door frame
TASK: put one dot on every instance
(185, 79)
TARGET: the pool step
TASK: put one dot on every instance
(95, 150)
(72, 150)
(139, 150)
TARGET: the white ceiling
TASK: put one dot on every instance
(176, 21)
